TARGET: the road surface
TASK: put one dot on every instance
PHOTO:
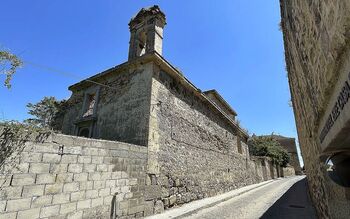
(283, 198)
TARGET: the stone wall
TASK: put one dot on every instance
(213, 98)
(73, 177)
(193, 150)
(288, 171)
(123, 106)
(294, 161)
(316, 39)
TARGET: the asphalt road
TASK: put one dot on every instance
(283, 198)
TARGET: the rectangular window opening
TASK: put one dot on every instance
(239, 145)
(90, 105)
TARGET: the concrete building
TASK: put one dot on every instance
(317, 52)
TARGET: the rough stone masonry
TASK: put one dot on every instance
(73, 177)
(317, 51)
(165, 143)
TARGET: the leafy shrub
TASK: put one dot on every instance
(270, 147)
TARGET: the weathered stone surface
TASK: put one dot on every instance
(33, 190)
(172, 200)
(45, 178)
(158, 207)
(18, 204)
(152, 192)
(317, 56)
(49, 211)
(28, 214)
(193, 149)
(60, 190)
(149, 208)
(166, 202)
(130, 97)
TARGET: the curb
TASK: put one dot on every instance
(221, 200)
(203, 206)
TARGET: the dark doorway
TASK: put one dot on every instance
(84, 132)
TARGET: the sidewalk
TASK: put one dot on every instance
(190, 208)
(295, 203)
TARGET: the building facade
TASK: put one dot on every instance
(152, 141)
(192, 137)
(146, 101)
(289, 145)
(317, 53)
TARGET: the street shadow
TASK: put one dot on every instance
(295, 203)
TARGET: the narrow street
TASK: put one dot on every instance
(283, 198)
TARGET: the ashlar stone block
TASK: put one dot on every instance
(29, 214)
(18, 204)
(49, 211)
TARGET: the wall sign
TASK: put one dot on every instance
(334, 129)
(342, 100)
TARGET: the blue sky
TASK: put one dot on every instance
(233, 46)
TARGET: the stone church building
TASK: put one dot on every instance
(137, 139)
(147, 101)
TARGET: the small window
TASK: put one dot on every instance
(239, 145)
(90, 105)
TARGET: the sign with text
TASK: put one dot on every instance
(334, 130)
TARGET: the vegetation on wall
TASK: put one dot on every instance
(13, 138)
(14, 134)
(268, 146)
(9, 63)
(45, 113)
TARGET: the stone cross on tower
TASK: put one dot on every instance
(146, 30)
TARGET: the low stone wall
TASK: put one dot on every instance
(268, 168)
(194, 173)
(73, 177)
(288, 171)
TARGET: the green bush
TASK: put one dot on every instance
(268, 146)
(46, 113)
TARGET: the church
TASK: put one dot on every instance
(137, 139)
(195, 147)
(146, 100)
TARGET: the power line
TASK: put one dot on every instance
(66, 74)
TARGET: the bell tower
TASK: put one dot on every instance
(146, 32)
